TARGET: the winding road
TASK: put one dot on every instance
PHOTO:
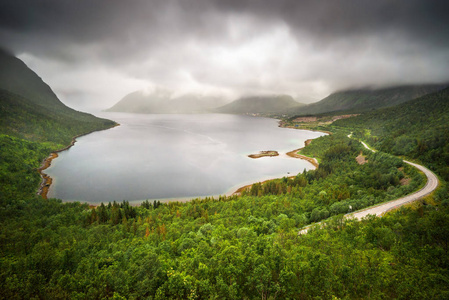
(380, 209)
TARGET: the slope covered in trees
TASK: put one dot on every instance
(18, 79)
(29, 108)
(22, 118)
(417, 129)
(361, 100)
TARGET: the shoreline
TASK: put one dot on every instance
(248, 186)
(292, 154)
(46, 180)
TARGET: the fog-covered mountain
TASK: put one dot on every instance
(260, 105)
(360, 100)
(162, 102)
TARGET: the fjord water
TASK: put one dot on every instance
(174, 156)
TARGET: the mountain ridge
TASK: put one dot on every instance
(30, 109)
(361, 100)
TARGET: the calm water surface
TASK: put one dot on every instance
(174, 156)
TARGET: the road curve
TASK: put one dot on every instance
(378, 210)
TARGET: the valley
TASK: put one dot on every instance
(241, 246)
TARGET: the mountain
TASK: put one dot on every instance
(140, 102)
(30, 109)
(195, 103)
(161, 102)
(260, 105)
(17, 78)
(360, 100)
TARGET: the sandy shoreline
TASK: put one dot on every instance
(293, 154)
(47, 180)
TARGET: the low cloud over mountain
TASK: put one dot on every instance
(95, 52)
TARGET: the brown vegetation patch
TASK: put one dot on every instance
(335, 118)
(312, 121)
(361, 159)
(305, 119)
(405, 181)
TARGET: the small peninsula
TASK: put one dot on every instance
(269, 153)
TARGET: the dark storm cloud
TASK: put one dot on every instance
(297, 47)
(424, 20)
(117, 26)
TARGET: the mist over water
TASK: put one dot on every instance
(174, 156)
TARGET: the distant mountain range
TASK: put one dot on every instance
(361, 100)
(30, 109)
(348, 101)
(260, 105)
(161, 102)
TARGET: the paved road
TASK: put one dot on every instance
(431, 185)
(378, 210)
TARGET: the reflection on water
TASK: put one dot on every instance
(173, 156)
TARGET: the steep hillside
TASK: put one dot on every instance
(29, 108)
(161, 102)
(361, 100)
(259, 105)
(417, 129)
(18, 79)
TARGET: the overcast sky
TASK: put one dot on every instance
(94, 52)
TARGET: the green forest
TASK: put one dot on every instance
(238, 247)
(418, 129)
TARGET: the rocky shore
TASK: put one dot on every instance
(47, 180)
(269, 153)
